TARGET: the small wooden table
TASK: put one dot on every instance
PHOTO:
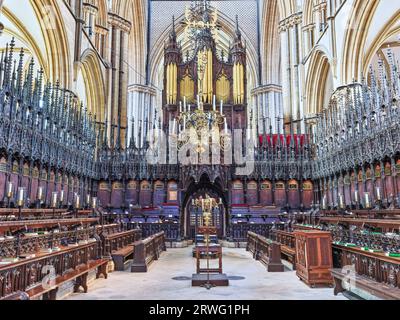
(213, 250)
(209, 277)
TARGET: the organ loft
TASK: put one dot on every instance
(216, 143)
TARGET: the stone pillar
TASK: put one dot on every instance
(101, 39)
(119, 29)
(141, 106)
(268, 100)
(89, 16)
(320, 14)
(78, 32)
(292, 86)
(308, 36)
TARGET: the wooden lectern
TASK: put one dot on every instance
(314, 257)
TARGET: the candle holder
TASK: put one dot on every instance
(20, 201)
(94, 205)
(367, 204)
(88, 202)
(356, 200)
(323, 205)
(341, 203)
(10, 193)
(39, 197)
(61, 198)
(54, 203)
(77, 204)
(378, 201)
(208, 207)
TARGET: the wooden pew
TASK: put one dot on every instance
(373, 272)
(371, 286)
(37, 214)
(266, 251)
(120, 247)
(384, 224)
(42, 224)
(35, 243)
(19, 295)
(146, 251)
(108, 228)
(79, 275)
(69, 264)
(363, 214)
(287, 240)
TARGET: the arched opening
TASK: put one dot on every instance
(44, 38)
(320, 83)
(271, 44)
(90, 85)
(188, 213)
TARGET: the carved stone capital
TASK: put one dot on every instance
(119, 22)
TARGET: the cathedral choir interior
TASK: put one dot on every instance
(199, 150)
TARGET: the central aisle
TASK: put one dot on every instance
(157, 283)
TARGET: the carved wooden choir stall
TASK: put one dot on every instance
(39, 255)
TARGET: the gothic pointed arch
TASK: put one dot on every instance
(58, 53)
(286, 8)
(94, 84)
(308, 12)
(270, 44)
(136, 13)
(387, 36)
(101, 18)
(359, 22)
(44, 38)
(319, 82)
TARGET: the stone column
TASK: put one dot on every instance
(291, 67)
(78, 32)
(141, 106)
(269, 105)
(320, 14)
(101, 39)
(89, 16)
(119, 29)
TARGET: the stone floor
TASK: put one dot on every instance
(157, 283)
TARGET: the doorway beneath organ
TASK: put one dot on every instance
(192, 215)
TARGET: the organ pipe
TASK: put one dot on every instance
(172, 87)
(238, 83)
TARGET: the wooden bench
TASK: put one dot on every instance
(289, 254)
(122, 257)
(119, 247)
(288, 245)
(146, 251)
(377, 273)
(20, 295)
(70, 263)
(79, 275)
(266, 251)
(377, 289)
